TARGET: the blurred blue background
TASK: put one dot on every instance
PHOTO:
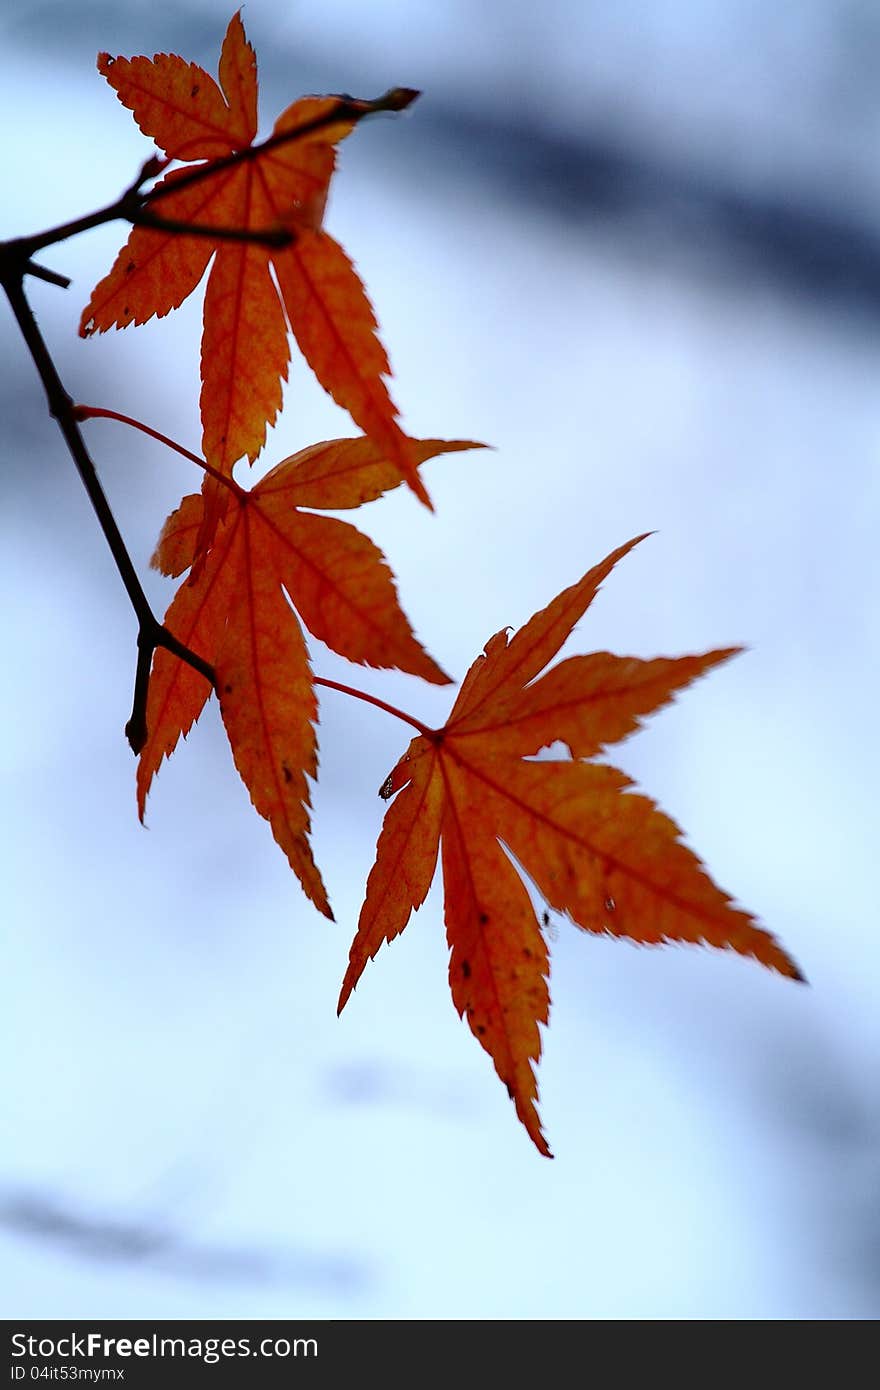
(637, 249)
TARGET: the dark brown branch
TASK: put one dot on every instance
(26, 246)
(151, 633)
(133, 203)
(346, 109)
(52, 277)
(271, 236)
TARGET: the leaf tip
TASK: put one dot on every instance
(434, 674)
(421, 491)
(535, 1132)
(399, 98)
(783, 964)
(349, 984)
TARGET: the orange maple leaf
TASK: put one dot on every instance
(595, 850)
(253, 291)
(236, 615)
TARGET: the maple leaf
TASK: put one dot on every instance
(595, 850)
(237, 616)
(253, 291)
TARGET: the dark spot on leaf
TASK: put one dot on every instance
(286, 773)
(481, 1028)
(466, 969)
(227, 689)
(484, 917)
(526, 952)
(195, 89)
(130, 267)
(610, 904)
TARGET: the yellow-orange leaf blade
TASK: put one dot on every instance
(337, 579)
(238, 78)
(498, 965)
(176, 546)
(513, 664)
(611, 859)
(175, 103)
(406, 857)
(244, 344)
(595, 850)
(155, 271)
(584, 702)
(244, 355)
(336, 475)
(334, 325)
(177, 693)
(268, 704)
(296, 174)
(341, 586)
(344, 473)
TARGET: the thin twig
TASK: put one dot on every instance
(345, 109)
(52, 277)
(134, 203)
(151, 633)
(277, 237)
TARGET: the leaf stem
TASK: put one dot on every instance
(96, 412)
(380, 704)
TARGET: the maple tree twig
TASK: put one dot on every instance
(132, 207)
(96, 412)
(52, 277)
(151, 633)
(345, 109)
(277, 237)
(135, 206)
(12, 251)
(380, 704)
